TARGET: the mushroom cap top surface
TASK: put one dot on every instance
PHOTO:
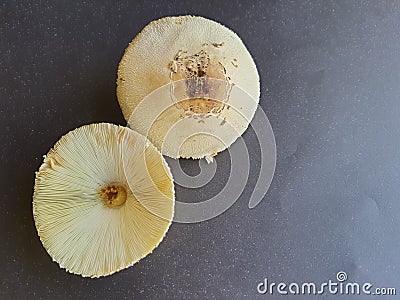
(166, 52)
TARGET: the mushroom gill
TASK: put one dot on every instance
(103, 199)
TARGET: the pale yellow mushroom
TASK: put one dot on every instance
(175, 84)
(103, 199)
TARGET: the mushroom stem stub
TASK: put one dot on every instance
(113, 195)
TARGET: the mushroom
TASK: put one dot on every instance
(176, 85)
(103, 199)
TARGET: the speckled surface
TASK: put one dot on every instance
(330, 86)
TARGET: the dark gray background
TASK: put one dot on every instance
(330, 76)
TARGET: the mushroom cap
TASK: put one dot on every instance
(150, 63)
(78, 228)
